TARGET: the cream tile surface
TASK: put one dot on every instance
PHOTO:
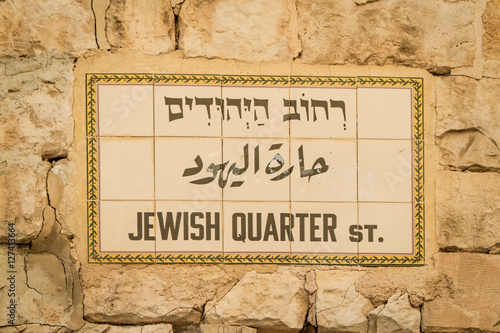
(323, 228)
(324, 170)
(189, 227)
(391, 226)
(188, 169)
(385, 170)
(384, 113)
(256, 227)
(126, 168)
(187, 110)
(257, 170)
(127, 226)
(125, 109)
(321, 111)
(255, 111)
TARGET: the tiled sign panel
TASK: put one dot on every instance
(255, 169)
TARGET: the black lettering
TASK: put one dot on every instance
(329, 228)
(258, 224)
(302, 221)
(286, 229)
(357, 236)
(167, 226)
(148, 225)
(215, 226)
(197, 226)
(314, 227)
(271, 229)
(139, 228)
(242, 235)
(370, 228)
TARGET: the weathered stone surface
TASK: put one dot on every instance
(398, 316)
(204, 328)
(63, 193)
(174, 294)
(27, 25)
(249, 303)
(258, 30)
(339, 307)
(468, 104)
(52, 271)
(36, 104)
(469, 150)
(96, 328)
(23, 194)
(28, 301)
(34, 328)
(475, 303)
(146, 25)
(491, 39)
(468, 210)
(35, 122)
(421, 284)
(437, 35)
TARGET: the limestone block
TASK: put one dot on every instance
(137, 294)
(258, 30)
(204, 328)
(437, 35)
(145, 25)
(63, 25)
(339, 307)
(468, 210)
(23, 194)
(421, 284)
(97, 328)
(475, 304)
(465, 104)
(28, 301)
(36, 105)
(63, 190)
(275, 301)
(398, 316)
(491, 39)
(469, 150)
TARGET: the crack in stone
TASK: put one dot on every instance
(95, 23)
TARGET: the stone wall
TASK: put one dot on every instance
(46, 47)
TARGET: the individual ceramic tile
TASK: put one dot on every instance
(323, 170)
(256, 170)
(385, 229)
(385, 113)
(126, 168)
(188, 168)
(385, 170)
(125, 109)
(318, 111)
(187, 105)
(127, 227)
(255, 107)
(323, 228)
(257, 227)
(189, 227)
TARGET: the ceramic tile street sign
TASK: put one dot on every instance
(255, 169)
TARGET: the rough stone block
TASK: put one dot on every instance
(257, 30)
(204, 328)
(468, 210)
(175, 294)
(491, 39)
(145, 25)
(475, 303)
(23, 194)
(397, 316)
(339, 307)
(28, 25)
(265, 301)
(437, 35)
(467, 110)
